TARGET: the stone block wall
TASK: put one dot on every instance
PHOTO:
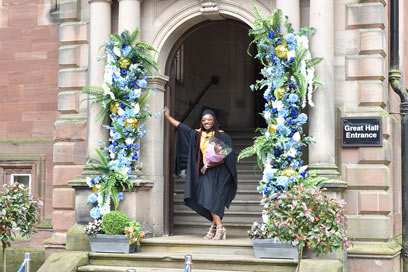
(28, 92)
(373, 192)
(69, 149)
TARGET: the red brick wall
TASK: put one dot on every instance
(29, 79)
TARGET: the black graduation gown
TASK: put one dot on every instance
(212, 191)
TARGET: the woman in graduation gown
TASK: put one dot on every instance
(208, 189)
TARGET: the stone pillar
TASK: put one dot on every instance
(100, 28)
(152, 156)
(322, 115)
(292, 9)
(129, 15)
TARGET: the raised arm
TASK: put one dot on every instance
(172, 121)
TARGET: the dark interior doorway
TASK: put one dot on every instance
(209, 49)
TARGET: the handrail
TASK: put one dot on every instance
(26, 263)
(214, 80)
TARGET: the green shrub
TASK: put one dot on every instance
(115, 222)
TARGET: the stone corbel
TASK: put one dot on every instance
(210, 9)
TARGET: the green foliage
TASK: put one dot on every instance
(141, 50)
(260, 29)
(261, 147)
(115, 222)
(307, 217)
(134, 232)
(18, 211)
(313, 180)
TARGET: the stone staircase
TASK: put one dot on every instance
(244, 209)
(166, 254)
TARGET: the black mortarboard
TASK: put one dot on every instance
(209, 110)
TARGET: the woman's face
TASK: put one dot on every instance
(207, 121)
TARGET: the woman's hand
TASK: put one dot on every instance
(203, 169)
(166, 111)
(172, 121)
(214, 164)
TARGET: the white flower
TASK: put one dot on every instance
(88, 181)
(121, 112)
(112, 155)
(303, 168)
(117, 52)
(280, 120)
(291, 152)
(267, 134)
(129, 141)
(138, 92)
(278, 105)
(296, 137)
(111, 133)
(291, 54)
(267, 115)
(136, 109)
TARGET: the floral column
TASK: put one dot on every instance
(100, 28)
(322, 117)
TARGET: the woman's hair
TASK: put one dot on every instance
(217, 134)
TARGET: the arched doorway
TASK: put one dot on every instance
(209, 50)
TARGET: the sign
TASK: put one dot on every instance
(361, 131)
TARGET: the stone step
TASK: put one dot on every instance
(229, 217)
(102, 268)
(234, 229)
(241, 195)
(195, 244)
(236, 205)
(243, 184)
(175, 260)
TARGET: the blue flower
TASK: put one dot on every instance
(292, 59)
(95, 212)
(142, 83)
(120, 195)
(123, 71)
(132, 84)
(114, 143)
(293, 98)
(133, 59)
(122, 105)
(137, 148)
(294, 113)
(290, 37)
(130, 146)
(276, 151)
(273, 110)
(271, 34)
(92, 181)
(135, 156)
(291, 84)
(269, 174)
(278, 28)
(302, 118)
(122, 34)
(92, 198)
(282, 181)
(123, 46)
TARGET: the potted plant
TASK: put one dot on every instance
(305, 217)
(114, 233)
(19, 211)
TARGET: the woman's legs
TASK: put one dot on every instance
(221, 231)
(216, 219)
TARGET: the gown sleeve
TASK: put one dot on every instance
(184, 136)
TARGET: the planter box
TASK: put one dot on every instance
(111, 244)
(269, 249)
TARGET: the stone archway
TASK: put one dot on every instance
(168, 40)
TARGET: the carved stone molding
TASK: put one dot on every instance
(209, 7)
